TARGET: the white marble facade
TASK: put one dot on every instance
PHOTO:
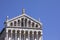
(23, 27)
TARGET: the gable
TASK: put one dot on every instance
(25, 18)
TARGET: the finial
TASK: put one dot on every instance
(7, 18)
(23, 11)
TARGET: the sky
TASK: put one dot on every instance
(47, 10)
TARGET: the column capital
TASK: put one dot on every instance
(28, 32)
(32, 32)
(37, 32)
(24, 32)
(20, 32)
(11, 31)
(15, 31)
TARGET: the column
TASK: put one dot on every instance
(24, 36)
(20, 35)
(32, 35)
(11, 34)
(41, 38)
(37, 35)
(27, 22)
(6, 35)
(28, 35)
(31, 24)
(24, 22)
(15, 34)
(20, 22)
(34, 25)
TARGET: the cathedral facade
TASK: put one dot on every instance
(22, 27)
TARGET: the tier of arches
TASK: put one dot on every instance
(24, 35)
(24, 22)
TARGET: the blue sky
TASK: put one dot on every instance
(47, 10)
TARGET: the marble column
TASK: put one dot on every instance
(20, 22)
(40, 38)
(15, 34)
(24, 22)
(6, 35)
(33, 35)
(11, 34)
(24, 36)
(20, 35)
(31, 24)
(27, 23)
(37, 36)
(28, 35)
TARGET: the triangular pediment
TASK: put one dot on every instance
(23, 16)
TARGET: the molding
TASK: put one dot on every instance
(24, 28)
